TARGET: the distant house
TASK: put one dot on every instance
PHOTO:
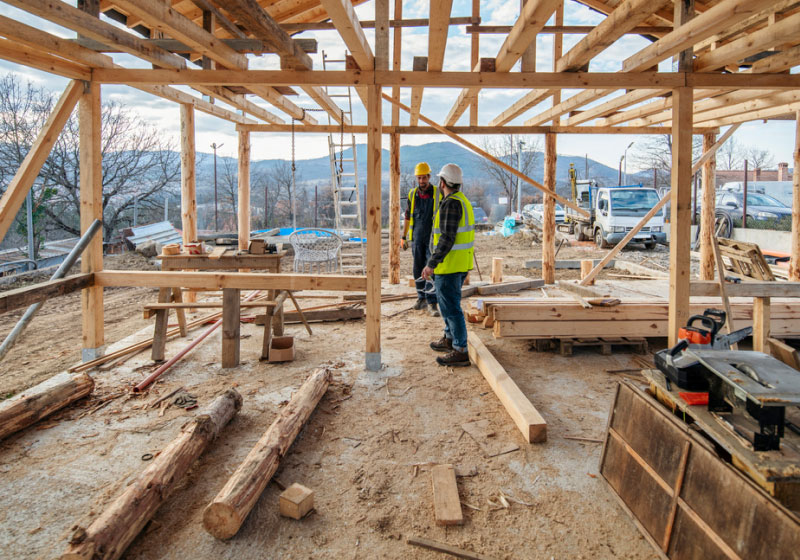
(781, 174)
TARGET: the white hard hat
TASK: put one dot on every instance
(452, 174)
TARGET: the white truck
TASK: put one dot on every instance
(613, 212)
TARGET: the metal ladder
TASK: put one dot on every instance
(349, 221)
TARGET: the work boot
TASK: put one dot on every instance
(421, 303)
(444, 344)
(433, 310)
(454, 359)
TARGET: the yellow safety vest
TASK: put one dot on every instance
(412, 197)
(460, 258)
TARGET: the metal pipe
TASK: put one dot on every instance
(62, 270)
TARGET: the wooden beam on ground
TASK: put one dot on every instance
(373, 229)
(225, 514)
(18, 187)
(549, 212)
(243, 176)
(794, 262)
(490, 157)
(110, 534)
(394, 208)
(747, 289)
(317, 316)
(222, 280)
(24, 297)
(31, 405)
(522, 412)
(508, 287)
(446, 503)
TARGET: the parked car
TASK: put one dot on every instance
(536, 212)
(480, 215)
(781, 190)
(759, 206)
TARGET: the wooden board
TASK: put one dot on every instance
(446, 504)
(486, 438)
(509, 287)
(318, 316)
(688, 502)
(23, 297)
(237, 280)
(785, 353)
(522, 412)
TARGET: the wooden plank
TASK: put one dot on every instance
(522, 412)
(230, 327)
(581, 289)
(508, 287)
(722, 290)
(761, 321)
(221, 280)
(446, 548)
(18, 187)
(24, 297)
(177, 296)
(785, 353)
(446, 504)
(317, 316)
(747, 289)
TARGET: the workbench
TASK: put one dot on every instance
(777, 472)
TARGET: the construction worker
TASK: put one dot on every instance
(453, 240)
(423, 202)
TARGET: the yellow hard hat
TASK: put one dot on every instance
(422, 168)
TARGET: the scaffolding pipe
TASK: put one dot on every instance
(72, 257)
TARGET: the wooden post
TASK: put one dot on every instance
(394, 209)
(374, 125)
(761, 320)
(794, 265)
(381, 34)
(224, 516)
(549, 213)
(188, 179)
(680, 219)
(586, 268)
(244, 190)
(497, 270)
(160, 328)
(707, 210)
(473, 58)
(91, 196)
(230, 327)
(111, 533)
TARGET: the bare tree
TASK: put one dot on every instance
(758, 158)
(730, 155)
(505, 149)
(655, 152)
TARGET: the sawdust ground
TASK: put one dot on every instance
(366, 451)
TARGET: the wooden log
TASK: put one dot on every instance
(497, 270)
(111, 533)
(586, 268)
(224, 516)
(446, 505)
(42, 400)
(522, 412)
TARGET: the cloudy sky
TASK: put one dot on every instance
(777, 137)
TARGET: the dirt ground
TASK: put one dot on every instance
(366, 451)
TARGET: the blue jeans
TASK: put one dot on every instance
(448, 292)
(421, 252)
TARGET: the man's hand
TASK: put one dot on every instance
(403, 244)
(427, 272)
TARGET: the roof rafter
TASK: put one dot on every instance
(438, 28)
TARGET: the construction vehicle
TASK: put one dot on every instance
(613, 212)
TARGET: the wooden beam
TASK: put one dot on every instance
(549, 213)
(625, 17)
(33, 58)
(437, 42)
(397, 58)
(24, 297)
(475, 59)
(343, 16)
(381, 34)
(519, 408)
(244, 190)
(719, 16)
(394, 209)
(373, 229)
(188, 177)
(681, 208)
(761, 322)
(760, 114)
(221, 280)
(91, 198)
(701, 288)
(794, 262)
(615, 104)
(707, 210)
(230, 327)
(242, 45)
(470, 130)
(18, 187)
(527, 101)
(490, 157)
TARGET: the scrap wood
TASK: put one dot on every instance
(604, 302)
(589, 440)
(446, 503)
(486, 438)
(300, 313)
(445, 548)
(509, 287)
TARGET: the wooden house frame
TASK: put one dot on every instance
(733, 62)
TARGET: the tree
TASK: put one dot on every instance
(655, 152)
(505, 149)
(730, 155)
(758, 158)
(138, 163)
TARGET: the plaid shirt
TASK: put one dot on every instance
(449, 216)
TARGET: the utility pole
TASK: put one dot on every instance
(214, 146)
(626, 161)
(520, 143)
(619, 177)
(166, 208)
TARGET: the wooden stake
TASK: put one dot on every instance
(41, 400)
(586, 268)
(224, 516)
(111, 533)
(497, 270)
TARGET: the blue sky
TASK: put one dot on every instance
(775, 136)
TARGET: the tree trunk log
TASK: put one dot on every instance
(42, 400)
(224, 516)
(111, 533)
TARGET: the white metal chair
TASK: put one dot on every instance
(318, 247)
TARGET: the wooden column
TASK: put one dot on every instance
(244, 189)
(91, 196)
(681, 208)
(381, 34)
(549, 213)
(707, 210)
(188, 181)
(230, 327)
(374, 125)
(474, 56)
(394, 209)
(794, 265)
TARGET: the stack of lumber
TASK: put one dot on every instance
(563, 318)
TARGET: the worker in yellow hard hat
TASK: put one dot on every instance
(423, 203)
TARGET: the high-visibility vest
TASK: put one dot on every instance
(412, 197)
(459, 259)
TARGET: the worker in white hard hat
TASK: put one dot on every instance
(423, 202)
(451, 260)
